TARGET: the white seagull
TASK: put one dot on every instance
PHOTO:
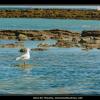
(25, 57)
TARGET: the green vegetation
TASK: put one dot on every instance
(51, 13)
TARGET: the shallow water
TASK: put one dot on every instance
(47, 24)
(55, 71)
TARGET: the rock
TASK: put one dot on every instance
(24, 66)
(63, 43)
(61, 34)
(94, 33)
(22, 37)
(39, 49)
(43, 45)
(91, 46)
(7, 34)
(10, 45)
(82, 41)
(39, 37)
(11, 37)
(3, 37)
(85, 49)
(98, 48)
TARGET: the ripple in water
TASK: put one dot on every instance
(55, 71)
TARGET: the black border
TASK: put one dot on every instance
(49, 1)
(50, 97)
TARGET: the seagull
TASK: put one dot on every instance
(24, 57)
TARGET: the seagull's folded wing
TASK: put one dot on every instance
(17, 58)
(21, 57)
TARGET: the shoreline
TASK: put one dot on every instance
(52, 13)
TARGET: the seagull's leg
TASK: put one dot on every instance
(24, 63)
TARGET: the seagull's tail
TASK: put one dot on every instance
(17, 58)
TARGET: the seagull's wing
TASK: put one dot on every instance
(18, 58)
(21, 57)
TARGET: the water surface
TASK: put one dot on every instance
(46, 24)
(55, 71)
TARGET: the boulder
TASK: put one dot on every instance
(22, 37)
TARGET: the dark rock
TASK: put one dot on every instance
(39, 49)
(94, 33)
(82, 41)
(43, 45)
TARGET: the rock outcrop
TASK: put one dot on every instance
(37, 34)
(88, 39)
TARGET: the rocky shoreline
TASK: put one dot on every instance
(86, 39)
(51, 13)
(22, 35)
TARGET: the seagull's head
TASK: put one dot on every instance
(28, 49)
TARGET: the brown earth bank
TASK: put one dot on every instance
(51, 13)
(86, 39)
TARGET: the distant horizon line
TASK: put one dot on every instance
(56, 6)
